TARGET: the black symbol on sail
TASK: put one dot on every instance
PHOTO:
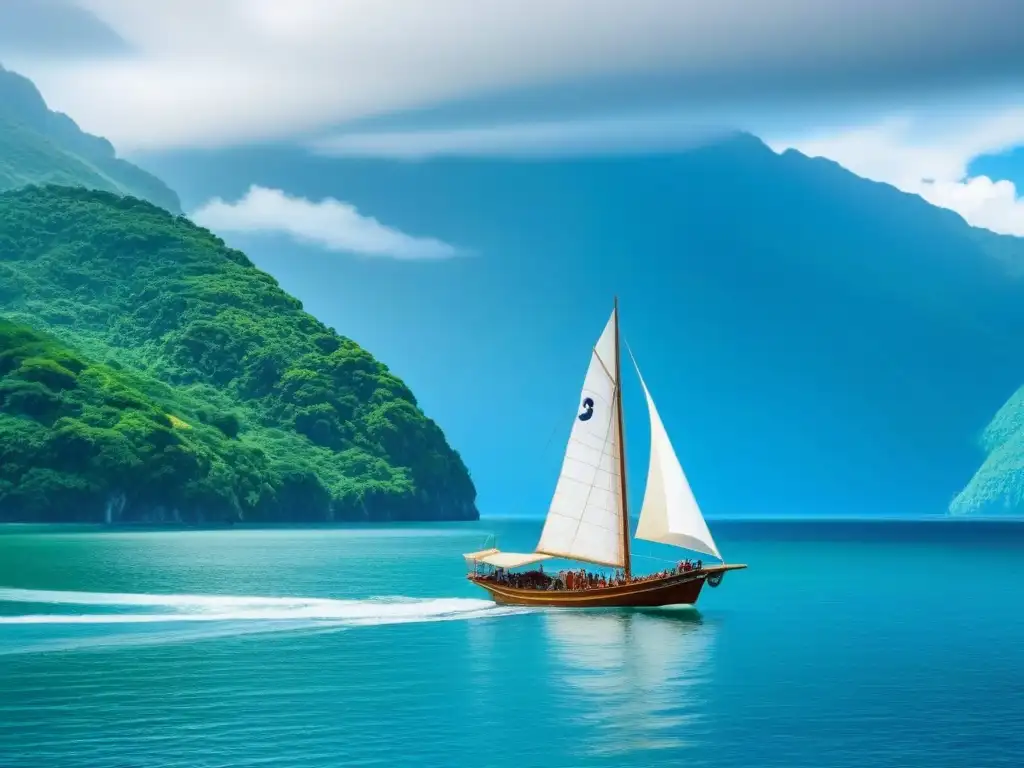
(588, 409)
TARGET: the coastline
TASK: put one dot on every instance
(469, 525)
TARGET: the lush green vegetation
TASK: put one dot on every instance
(38, 146)
(997, 488)
(180, 382)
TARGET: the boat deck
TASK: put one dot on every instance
(674, 589)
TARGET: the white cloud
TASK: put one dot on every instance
(329, 223)
(929, 155)
(923, 152)
(222, 72)
(638, 133)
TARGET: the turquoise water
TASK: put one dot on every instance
(843, 644)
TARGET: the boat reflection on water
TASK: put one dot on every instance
(636, 679)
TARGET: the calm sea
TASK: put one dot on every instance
(844, 644)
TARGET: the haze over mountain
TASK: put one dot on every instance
(39, 146)
(817, 343)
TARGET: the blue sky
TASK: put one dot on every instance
(340, 143)
(1007, 165)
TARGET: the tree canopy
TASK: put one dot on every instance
(150, 372)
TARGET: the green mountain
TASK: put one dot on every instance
(150, 373)
(38, 146)
(997, 488)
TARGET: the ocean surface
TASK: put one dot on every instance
(861, 644)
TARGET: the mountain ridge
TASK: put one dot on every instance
(837, 343)
(183, 384)
(917, 310)
(996, 488)
(41, 146)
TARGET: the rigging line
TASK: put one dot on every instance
(554, 429)
(597, 469)
(651, 557)
(636, 367)
(603, 366)
(593, 481)
(550, 438)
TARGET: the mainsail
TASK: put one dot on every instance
(585, 517)
(669, 514)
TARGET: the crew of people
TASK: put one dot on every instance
(581, 579)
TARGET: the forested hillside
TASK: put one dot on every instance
(182, 383)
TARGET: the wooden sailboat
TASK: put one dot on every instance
(588, 520)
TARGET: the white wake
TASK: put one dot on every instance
(146, 608)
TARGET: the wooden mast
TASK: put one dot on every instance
(622, 450)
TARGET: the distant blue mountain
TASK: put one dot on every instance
(844, 343)
(39, 146)
(836, 346)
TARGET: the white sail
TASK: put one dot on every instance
(585, 518)
(670, 514)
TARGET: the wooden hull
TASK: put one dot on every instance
(677, 589)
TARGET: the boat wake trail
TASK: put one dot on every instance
(115, 608)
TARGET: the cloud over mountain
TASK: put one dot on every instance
(330, 224)
(929, 155)
(217, 72)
